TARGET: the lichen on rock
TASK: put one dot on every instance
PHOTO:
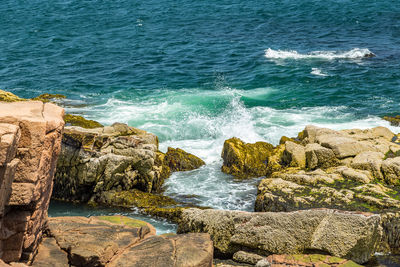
(245, 160)
(76, 120)
(9, 97)
(179, 160)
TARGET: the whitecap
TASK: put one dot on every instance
(356, 53)
(318, 72)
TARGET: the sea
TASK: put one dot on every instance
(196, 73)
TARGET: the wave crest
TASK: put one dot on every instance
(355, 53)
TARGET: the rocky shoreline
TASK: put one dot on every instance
(329, 198)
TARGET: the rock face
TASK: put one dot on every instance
(119, 241)
(117, 157)
(30, 142)
(353, 236)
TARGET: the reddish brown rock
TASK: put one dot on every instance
(30, 141)
(312, 260)
(119, 241)
(189, 250)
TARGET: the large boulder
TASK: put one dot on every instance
(245, 160)
(294, 155)
(119, 241)
(101, 159)
(116, 157)
(353, 236)
(30, 142)
(391, 170)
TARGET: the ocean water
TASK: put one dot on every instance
(197, 73)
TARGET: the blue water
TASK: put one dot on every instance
(197, 73)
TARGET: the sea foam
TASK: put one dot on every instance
(355, 53)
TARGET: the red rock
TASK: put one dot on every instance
(30, 140)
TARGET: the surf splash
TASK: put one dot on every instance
(356, 53)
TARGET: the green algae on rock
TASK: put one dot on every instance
(179, 160)
(152, 204)
(75, 120)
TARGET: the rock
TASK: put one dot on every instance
(245, 160)
(294, 155)
(190, 250)
(353, 175)
(394, 121)
(119, 241)
(263, 263)
(370, 161)
(179, 160)
(353, 236)
(48, 97)
(30, 142)
(50, 254)
(156, 205)
(341, 187)
(102, 159)
(10, 97)
(246, 257)
(95, 241)
(75, 120)
(391, 233)
(308, 260)
(391, 170)
(318, 156)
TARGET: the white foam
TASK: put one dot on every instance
(183, 119)
(318, 72)
(356, 53)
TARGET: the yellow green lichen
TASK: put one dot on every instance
(47, 97)
(246, 160)
(10, 97)
(179, 160)
(123, 220)
(75, 120)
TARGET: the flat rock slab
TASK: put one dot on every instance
(303, 260)
(95, 241)
(50, 254)
(189, 250)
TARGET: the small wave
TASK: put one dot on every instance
(318, 72)
(355, 53)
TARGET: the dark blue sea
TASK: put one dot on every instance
(198, 72)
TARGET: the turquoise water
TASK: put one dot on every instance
(197, 73)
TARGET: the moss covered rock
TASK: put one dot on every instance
(9, 97)
(75, 120)
(179, 160)
(245, 160)
(48, 97)
(152, 204)
(394, 121)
